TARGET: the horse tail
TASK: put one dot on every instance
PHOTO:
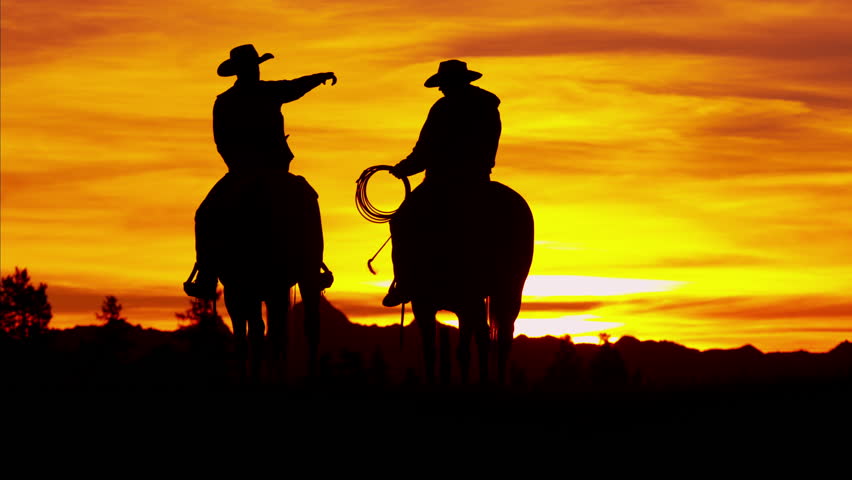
(504, 306)
(512, 261)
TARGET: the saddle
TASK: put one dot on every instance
(447, 242)
(267, 229)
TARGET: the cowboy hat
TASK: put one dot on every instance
(241, 57)
(452, 70)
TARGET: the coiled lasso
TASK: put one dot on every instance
(368, 210)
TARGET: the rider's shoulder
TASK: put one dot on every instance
(301, 181)
(439, 105)
(229, 93)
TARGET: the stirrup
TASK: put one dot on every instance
(203, 291)
(395, 297)
(326, 278)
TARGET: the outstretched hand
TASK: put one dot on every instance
(331, 77)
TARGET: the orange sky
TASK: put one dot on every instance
(688, 162)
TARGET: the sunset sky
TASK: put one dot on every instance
(688, 163)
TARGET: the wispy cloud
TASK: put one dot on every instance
(747, 309)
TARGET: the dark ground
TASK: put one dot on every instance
(123, 381)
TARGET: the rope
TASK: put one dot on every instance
(367, 209)
(370, 261)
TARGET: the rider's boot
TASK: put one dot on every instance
(204, 285)
(396, 296)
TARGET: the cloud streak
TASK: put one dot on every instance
(803, 40)
(757, 308)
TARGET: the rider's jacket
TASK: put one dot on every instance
(248, 126)
(459, 139)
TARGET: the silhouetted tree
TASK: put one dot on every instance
(111, 312)
(24, 309)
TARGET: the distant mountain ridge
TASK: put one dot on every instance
(353, 353)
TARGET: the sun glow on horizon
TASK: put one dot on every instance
(573, 325)
(542, 286)
(576, 326)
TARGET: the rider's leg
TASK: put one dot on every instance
(208, 240)
(406, 227)
(396, 294)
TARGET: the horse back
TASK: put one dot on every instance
(273, 230)
(478, 242)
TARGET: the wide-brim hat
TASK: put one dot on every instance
(452, 71)
(241, 57)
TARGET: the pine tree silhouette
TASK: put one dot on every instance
(111, 312)
(24, 310)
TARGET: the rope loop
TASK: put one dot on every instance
(367, 209)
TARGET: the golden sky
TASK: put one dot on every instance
(687, 162)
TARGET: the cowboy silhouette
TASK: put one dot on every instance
(248, 129)
(457, 147)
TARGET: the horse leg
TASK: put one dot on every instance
(310, 301)
(424, 315)
(504, 311)
(463, 349)
(277, 333)
(238, 324)
(473, 322)
(245, 311)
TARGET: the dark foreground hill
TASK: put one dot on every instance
(366, 374)
(130, 357)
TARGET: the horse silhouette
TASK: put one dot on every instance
(472, 258)
(271, 240)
